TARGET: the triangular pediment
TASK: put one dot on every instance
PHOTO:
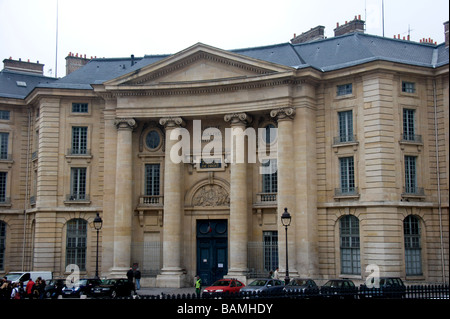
(197, 64)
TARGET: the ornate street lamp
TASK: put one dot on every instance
(98, 222)
(286, 222)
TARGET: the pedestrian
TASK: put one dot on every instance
(41, 288)
(130, 275)
(15, 294)
(29, 289)
(198, 286)
(137, 277)
(276, 275)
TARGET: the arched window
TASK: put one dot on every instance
(349, 244)
(76, 243)
(413, 254)
(2, 244)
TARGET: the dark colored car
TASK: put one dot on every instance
(339, 288)
(302, 286)
(81, 287)
(264, 286)
(225, 286)
(113, 288)
(388, 287)
(54, 288)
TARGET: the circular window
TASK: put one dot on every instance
(271, 134)
(153, 140)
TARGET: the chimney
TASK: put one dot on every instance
(357, 25)
(314, 34)
(19, 65)
(446, 34)
(75, 61)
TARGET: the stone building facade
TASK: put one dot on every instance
(350, 134)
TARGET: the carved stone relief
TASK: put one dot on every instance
(211, 195)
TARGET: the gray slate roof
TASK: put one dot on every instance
(10, 89)
(324, 55)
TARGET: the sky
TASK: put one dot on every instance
(47, 30)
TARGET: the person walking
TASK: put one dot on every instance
(29, 288)
(137, 277)
(130, 274)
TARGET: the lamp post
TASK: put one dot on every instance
(286, 221)
(98, 222)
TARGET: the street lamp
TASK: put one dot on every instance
(98, 222)
(286, 221)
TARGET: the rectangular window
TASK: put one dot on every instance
(345, 126)
(408, 125)
(344, 89)
(3, 180)
(410, 175)
(152, 179)
(347, 175)
(270, 248)
(80, 108)
(79, 140)
(4, 115)
(4, 137)
(350, 251)
(78, 188)
(269, 176)
(76, 243)
(408, 87)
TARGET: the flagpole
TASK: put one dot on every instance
(56, 55)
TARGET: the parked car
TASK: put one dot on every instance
(339, 288)
(225, 286)
(265, 286)
(81, 287)
(113, 288)
(388, 287)
(54, 288)
(303, 286)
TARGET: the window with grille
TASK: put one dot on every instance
(349, 245)
(79, 140)
(270, 248)
(80, 108)
(346, 126)
(408, 125)
(76, 243)
(413, 253)
(344, 89)
(78, 188)
(410, 175)
(269, 176)
(3, 181)
(347, 171)
(408, 87)
(4, 137)
(152, 179)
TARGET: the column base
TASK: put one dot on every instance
(118, 272)
(171, 278)
(239, 274)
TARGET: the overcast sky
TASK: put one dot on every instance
(113, 28)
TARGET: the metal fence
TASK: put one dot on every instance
(430, 292)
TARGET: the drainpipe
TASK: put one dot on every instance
(438, 180)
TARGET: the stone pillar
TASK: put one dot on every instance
(123, 197)
(238, 196)
(286, 186)
(172, 273)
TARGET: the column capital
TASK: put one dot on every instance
(283, 113)
(172, 122)
(125, 123)
(238, 118)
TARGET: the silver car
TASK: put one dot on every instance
(265, 286)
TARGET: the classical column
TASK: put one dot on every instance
(172, 273)
(238, 196)
(286, 185)
(123, 197)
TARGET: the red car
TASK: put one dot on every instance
(224, 286)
